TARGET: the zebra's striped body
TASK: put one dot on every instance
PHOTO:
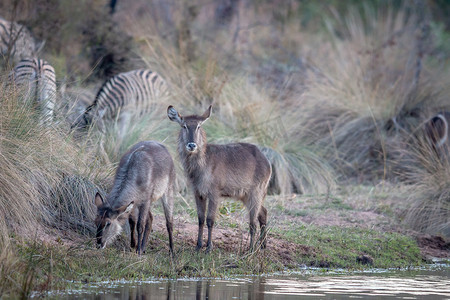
(36, 78)
(122, 95)
(16, 42)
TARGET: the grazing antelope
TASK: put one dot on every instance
(237, 170)
(437, 131)
(122, 96)
(145, 174)
(37, 78)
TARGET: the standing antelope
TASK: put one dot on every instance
(437, 132)
(236, 170)
(145, 174)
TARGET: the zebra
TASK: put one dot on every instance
(121, 96)
(36, 78)
(16, 42)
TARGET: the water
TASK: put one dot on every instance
(309, 284)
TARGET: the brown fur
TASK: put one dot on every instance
(237, 170)
(145, 174)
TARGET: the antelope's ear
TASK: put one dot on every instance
(99, 200)
(126, 209)
(174, 115)
(207, 113)
(440, 129)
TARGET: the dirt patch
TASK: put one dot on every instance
(433, 246)
(235, 240)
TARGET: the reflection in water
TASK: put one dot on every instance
(256, 289)
(425, 285)
(363, 286)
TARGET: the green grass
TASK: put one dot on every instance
(59, 267)
(337, 247)
(333, 203)
(80, 264)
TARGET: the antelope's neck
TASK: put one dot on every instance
(194, 163)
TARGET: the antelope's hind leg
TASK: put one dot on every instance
(167, 202)
(253, 204)
(262, 218)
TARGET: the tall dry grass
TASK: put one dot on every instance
(372, 87)
(366, 86)
(47, 186)
(242, 111)
(46, 179)
(427, 206)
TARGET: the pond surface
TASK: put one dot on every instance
(431, 283)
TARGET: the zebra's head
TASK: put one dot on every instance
(83, 121)
(88, 118)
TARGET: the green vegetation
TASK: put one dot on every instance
(334, 93)
(54, 267)
(338, 247)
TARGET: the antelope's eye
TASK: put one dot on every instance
(185, 126)
(108, 223)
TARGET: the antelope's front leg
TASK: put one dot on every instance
(201, 211)
(210, 220)
(141, 224)
(132, 222)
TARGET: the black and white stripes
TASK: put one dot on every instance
(36, 78)
(123, 95)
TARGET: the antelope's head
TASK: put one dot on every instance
(110, 221)
(192, 136)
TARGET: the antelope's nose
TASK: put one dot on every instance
(191, 147)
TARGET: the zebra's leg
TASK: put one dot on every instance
(123, 124)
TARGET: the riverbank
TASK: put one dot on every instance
(353, 232)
